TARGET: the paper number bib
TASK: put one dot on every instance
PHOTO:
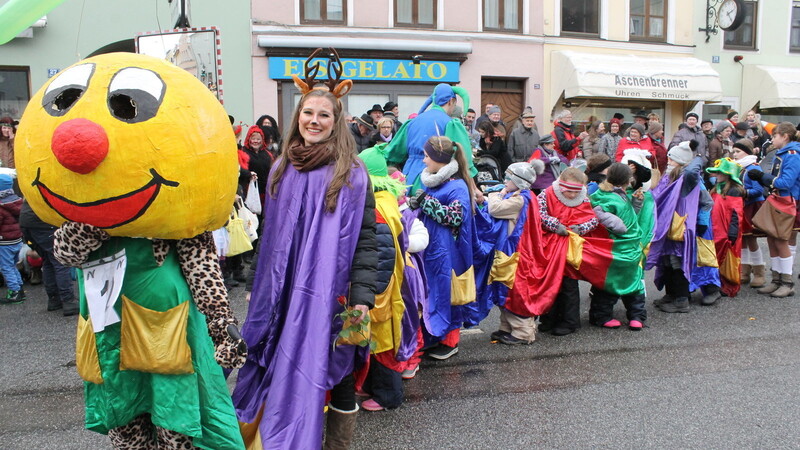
(102, 283)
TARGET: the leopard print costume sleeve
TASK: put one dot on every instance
(549, 223)
(74, 241)
(200, 267)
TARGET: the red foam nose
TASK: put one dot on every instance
(80, 145)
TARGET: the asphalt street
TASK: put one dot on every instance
(725, 376)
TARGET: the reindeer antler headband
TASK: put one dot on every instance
(338, 87)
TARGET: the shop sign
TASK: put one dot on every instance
(281, 68)
(669, 88)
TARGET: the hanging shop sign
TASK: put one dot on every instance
(578, 74)
(281, 68)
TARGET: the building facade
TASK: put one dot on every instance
(759, 63)
(398, 50)
(625, 56)
(77, 29)
(595, 57)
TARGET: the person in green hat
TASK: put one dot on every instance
(384, 383)
(728, 211)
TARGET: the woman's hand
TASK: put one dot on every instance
(364, 311)
(253, 176)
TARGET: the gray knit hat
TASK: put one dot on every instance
(722, 126)
(524, 174)
(494, 109)
(638, 127)
(681, 153)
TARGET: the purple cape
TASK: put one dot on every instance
(669, 200)
(303, 267)
(413, 289)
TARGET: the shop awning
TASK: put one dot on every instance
(579, 74)
(774, 87)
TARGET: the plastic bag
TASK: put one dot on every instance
(250, 222)
(253, 201)
(238, 240)
(221, 241)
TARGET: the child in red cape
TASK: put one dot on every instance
(542, 280)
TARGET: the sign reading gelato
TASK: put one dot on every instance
(281, 68)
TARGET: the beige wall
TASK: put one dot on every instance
(371, 13)
(461, 15)
(506, 59)
(275, 11)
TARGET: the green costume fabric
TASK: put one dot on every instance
(406, 146)
(196, 404)
(625, 272)
(646, 217)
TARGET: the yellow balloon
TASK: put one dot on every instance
(131, 144)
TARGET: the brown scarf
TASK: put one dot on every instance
(305, 158)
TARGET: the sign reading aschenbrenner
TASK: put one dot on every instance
(281, 68)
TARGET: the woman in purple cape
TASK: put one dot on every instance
(320, 254)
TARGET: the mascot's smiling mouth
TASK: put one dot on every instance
(108, 212)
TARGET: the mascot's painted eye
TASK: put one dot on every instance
(134, 94)
(66, 89)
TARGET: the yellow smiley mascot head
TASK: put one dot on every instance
(131, 144)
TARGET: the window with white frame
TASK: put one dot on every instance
(502, 15)
(14, 90)
(744, 37)
(794, 32)
(323, 11)
(415, 13)
(648, 20)
(580, 17)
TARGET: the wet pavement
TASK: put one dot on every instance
(725, 376)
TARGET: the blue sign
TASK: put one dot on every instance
(281, 68)
(52, 72)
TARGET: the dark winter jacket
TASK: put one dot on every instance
(260, 162)
(10, 206)
(29, 219)
(522, 142)
(497, 149)
(362, 142)
(386, 253)
(687, 134)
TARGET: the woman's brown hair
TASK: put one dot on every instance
(340, 140)
(787, 129)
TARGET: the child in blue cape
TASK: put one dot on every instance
(507, 208)
(447, 212)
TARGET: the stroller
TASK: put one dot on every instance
(488, 171)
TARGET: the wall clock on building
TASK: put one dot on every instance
(731, 14)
